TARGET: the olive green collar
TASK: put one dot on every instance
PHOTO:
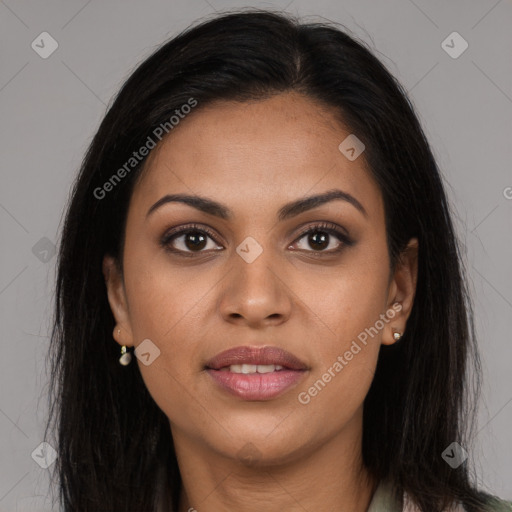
(383, 499)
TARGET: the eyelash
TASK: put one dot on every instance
(323, 227)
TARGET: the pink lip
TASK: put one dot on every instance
(256, 386)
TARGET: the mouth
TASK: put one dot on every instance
(248, 359)
(248, 369)
(256, 373)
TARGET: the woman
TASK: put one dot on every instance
(261, 222)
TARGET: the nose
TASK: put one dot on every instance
(255, 294)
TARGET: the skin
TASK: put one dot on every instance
(253, 158)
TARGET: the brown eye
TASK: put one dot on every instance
(189, 239)
(318, 240)
(322, 238)
(194, 240)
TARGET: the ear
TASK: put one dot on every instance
(402, 290)
(117, 300)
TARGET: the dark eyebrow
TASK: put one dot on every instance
(301, 205)
(287, 211)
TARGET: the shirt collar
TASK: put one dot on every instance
(383, 499)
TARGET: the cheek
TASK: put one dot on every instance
(349, 301)
(346, 358)
(335, 394)
(165, 306)
(351, 304)
(166, 301)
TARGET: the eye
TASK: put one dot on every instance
(188, 239)
(320, 237)
(193, 238)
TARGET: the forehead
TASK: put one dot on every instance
(250, 153)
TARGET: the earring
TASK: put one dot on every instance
(397, 335)
(126, 357)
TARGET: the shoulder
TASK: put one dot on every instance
(384, 500)
(492, 504)
(495, 504)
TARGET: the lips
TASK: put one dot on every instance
(256, 373)
(256, 356)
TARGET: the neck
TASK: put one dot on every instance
(326, 477)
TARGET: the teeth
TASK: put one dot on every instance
(254, 368)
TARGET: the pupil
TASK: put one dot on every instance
(195, 240)
(319, 238)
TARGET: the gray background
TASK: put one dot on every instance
(50, 109)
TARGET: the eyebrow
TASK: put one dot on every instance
(289, 210)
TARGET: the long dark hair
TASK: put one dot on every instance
(111, 437)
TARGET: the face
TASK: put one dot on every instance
(243, 268)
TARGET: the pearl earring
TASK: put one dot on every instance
(126, 357)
